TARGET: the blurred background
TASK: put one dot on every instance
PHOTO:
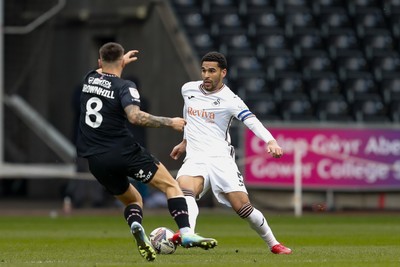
(303, 67)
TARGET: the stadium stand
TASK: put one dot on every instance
(327, 60)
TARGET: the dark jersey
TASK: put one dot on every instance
(102, 122)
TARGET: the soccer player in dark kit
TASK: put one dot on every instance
(107, 101)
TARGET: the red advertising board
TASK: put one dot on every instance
(330, 158)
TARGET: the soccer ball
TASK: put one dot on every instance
(159, 238)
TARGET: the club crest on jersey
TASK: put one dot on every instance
(216, 102)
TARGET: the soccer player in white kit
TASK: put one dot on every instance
(210, 106)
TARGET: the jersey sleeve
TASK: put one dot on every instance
(129, 94)
(240, 110)
(242, 113)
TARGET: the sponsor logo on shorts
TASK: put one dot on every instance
(142, 176)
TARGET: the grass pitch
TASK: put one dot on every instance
(317, 240)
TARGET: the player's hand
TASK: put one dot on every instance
(130, 56)
(178, 124)
(178, 150)
(274, 149)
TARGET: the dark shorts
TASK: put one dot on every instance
(113, 168)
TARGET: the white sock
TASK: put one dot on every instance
(185, 230)
(258, 223)
(193, 211)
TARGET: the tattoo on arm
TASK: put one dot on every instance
(141, 118)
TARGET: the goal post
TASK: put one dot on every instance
(298, 187)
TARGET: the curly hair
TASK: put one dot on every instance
(216, 57)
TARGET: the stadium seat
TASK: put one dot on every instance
(298, 18)
(202, 42)
(391, 7)
(237, 43)
(269, 40)
(193, 19)
(244, 64)
(282, 6)
(385, 62)
(340, 39)
(226, 21)
(289, 85)
(368, 18)
(354, 5)
(261, 20)
(319, 6)
(300, 109)
(335, 109)
(278, 61)
(371, 110)
(210, 7)
(395, 111)
(377, 40)
(252, 84)
(315, 61)
(360, 86)
(189, 13)
(250, 5)
(323, 86)
(394, 20)
(348, 61)
(306, 39)
(265, 107)
(332, 18)
(183, 4)
(390, 86)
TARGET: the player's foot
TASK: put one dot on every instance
(280, 249)
(194, 240)
(144, 246)
(176, 238)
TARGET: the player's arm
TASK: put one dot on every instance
(129, 57)
(141, 118)
(261, 132)
(243, 114)
(178, 150)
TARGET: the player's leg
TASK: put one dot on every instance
(191, 187)
(145, 168)
(133, 213)
(188, 184)
(228, 188)
(179, 209)
(193, 180)
(106, 169)
(241, 204)
(177, 206)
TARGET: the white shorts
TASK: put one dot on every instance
(220, 174)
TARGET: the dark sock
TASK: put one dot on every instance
(133, 213)
(179, 211)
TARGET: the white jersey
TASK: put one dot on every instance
(209, 116)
